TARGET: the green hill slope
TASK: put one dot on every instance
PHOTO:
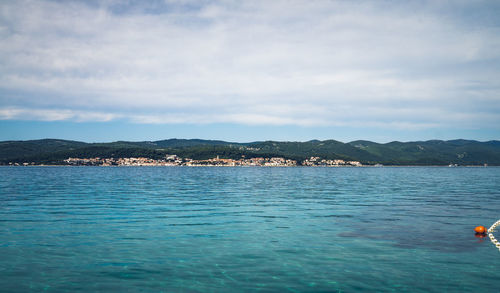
(30, 148)
(432, 152)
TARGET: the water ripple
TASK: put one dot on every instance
(246, 229)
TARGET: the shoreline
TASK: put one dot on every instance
(227, 166)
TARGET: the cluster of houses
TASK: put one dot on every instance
(173, 160)
(117, 162)
(317, 161)
(273, 162)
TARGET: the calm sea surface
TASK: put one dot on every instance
(181, 229)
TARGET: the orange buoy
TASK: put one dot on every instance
(480, 230)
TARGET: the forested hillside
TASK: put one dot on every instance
(432, 152)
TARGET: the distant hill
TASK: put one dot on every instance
(432, 152)
(176, 143)
(328, 149)
(30, 148)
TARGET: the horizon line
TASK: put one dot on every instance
(255, 141)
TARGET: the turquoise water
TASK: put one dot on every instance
(180, 229)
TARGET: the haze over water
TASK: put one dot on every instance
(177, 229)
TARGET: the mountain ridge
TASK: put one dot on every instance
(430, 152)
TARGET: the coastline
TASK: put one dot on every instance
(226, 166)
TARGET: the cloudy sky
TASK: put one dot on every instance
(250, 70)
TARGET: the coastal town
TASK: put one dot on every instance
(174, 160)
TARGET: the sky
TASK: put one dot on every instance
(249, 70)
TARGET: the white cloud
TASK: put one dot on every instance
(54, 115)
(250, 62)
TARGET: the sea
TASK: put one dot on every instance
(248, 229)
